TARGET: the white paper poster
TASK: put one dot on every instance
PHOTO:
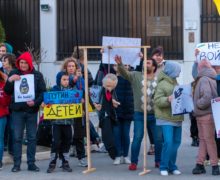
(129, 55)
(24, 88)
(216, 114)
(209, 51)
(182, 102)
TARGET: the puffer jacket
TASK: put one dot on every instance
(205, 90)
(162, 107)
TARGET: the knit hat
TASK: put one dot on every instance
(9, 48)
(172, 69)
(28, 58)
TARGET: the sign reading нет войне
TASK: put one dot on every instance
(209, 51)
(63, 111)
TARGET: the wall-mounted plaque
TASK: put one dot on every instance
(159, 26)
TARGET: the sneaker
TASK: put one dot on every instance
(33, 167)
(15, 168)
(73, 151)
(199, 169)
(132, 167)
(82, 162)
(117, 161)
(157, 165)
(1, 165)
(66, 167)
(127, 160)
(215, 170)
(176, 172)
(207, 163)
(164, 173)
(51, 167)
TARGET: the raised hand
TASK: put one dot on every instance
(118, 59)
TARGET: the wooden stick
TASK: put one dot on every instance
(89, 169)
(99, 47)
(145, 171)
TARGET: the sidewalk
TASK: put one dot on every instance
(42, 153)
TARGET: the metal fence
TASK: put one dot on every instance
(20, 19)
(84, 22)
(210, 22)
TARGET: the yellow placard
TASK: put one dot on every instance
(217, 3)
(63, 111)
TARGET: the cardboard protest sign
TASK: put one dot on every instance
(63, 111)
(182, 102)
(24, 88)
(63, 97)
(209, 51)
(129, 55)
(94, 93)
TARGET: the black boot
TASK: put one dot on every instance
(51, 167)
(215, 170)
(199, 169)
(66, 167)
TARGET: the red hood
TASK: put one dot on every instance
(28, 58)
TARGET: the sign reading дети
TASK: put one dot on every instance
(209, 51)
(63, 111)
(63, 104)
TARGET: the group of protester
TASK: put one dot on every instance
(121, 102)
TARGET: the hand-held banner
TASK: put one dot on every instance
(182, 102)
(129, 55)
(24, 88)
(63, 97)
(216, 114)
(63, 104)
(209, 51)
(63, 111)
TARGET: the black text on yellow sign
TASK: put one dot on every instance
(63, 111)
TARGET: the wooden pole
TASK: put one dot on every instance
(145, 170)
(89, 168)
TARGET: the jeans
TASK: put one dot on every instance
(139, 133)
(3, 121)
(20, 120)
(122, 139)
(8, 138)
(172, 140)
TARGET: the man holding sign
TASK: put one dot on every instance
(24, 112)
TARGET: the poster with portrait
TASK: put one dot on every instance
(94, 93)
(24, 88)
(182, 102)
(216, 114)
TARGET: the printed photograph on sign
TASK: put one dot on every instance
(24, 88)
(209, 51)
(94, 93)
(129, 55)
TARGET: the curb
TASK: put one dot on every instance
(8, 159)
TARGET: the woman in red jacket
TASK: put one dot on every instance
(4, 103)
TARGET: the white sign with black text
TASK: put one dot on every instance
(129, 56)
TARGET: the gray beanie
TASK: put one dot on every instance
(172, 69)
